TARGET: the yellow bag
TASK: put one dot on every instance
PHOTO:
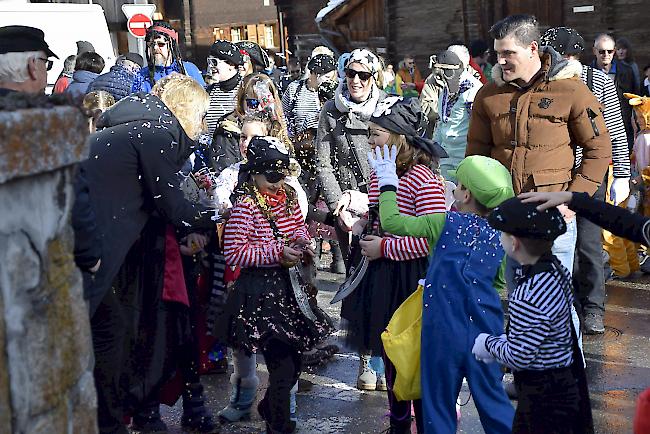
(402, 346)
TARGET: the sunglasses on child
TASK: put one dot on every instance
(272, 176)
(252, 103)
(603, 52)
(363, 75)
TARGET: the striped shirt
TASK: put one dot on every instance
(301, 107)
(539, 336)
(419, 192)
(605, 92)
(249, 240)
(221, 103)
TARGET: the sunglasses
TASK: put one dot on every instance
(363, 76)
(603, 52)
(252, 103)
(48, 63)
(159, 44)
(272, 176)
(213, 62)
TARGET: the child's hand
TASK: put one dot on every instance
(193, 243)
(291, 255)
(384, 166)
(371, 247)
(480, 351)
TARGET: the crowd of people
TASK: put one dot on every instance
(207, 199)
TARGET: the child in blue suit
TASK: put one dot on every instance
(460, 295)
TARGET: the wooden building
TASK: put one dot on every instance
(396, 28)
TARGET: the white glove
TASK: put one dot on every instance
(384, 166)
(449, 194)
(480, 351)
(619, 190)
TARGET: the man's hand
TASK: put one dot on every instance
(371, 247)
(547, 200)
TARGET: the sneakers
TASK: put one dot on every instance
(593, 324)
(367, 377)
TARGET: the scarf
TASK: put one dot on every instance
(275, 199)
(364, 109)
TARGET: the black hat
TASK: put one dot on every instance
(321, 64)
(404, 116)
(135, 58)
(267, 156)
(564, 40)
(18, 39)
(226, 50)
(258, 56)
(84, 47)
(524, 220)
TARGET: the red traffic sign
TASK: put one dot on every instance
(138, 25)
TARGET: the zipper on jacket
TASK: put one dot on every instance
(592, 118)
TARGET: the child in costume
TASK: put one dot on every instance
(267, 310)
(460, 297)
(244, 379)
(396, 263)
(541, 345)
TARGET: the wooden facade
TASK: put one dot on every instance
(424, 27)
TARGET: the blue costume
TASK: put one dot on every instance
(142, 82)
(460, 301)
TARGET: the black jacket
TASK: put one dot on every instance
(131, 175)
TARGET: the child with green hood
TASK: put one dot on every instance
(460, 298)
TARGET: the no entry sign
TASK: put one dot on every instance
(138, 25)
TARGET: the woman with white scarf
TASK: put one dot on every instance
(341, 159)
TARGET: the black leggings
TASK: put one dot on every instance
(283, 363)
(400, 411)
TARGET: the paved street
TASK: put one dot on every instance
(618, 369)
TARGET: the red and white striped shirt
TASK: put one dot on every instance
(419, 192)
(248, 237)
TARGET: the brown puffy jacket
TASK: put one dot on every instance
(533, 131)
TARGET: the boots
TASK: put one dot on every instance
(242, 397)
(263, 409)
(367, 376)
(399, 427)
(147, 420)
(338, 266)
(195, 415)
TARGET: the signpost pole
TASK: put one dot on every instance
(138, 7)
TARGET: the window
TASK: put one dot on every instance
(235, 34)
(268, 36)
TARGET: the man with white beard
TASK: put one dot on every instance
(163, 58)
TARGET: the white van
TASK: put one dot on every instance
(64, 24)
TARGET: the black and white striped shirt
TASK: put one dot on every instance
(605, 91)
(539, 336)
(221, 103)
(301, 107)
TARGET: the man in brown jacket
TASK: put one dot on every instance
(533, 116)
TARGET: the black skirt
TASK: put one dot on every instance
(261, 305)
(366, 312)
